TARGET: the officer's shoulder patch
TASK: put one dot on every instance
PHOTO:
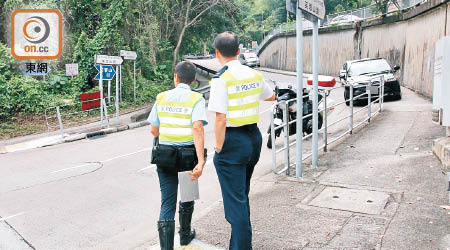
(220, 72)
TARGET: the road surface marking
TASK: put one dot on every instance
(12, 216)
(149, 167)
(79, 166)
(125, 155)
(267, 110)
(104, 161)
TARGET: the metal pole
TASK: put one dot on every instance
(58, 113)
(46, 121)
(382, 92)
(286, 135)
(106, 111)
(315, 137)
(100, 87)
(272, 135)
(109, 91)
(120, 69)
(117, 96)
(325, 122)
(369, 103)
(351, 109)
(448, 187)
(134, 78)
(299, 132)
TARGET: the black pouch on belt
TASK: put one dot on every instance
(165, 157)
(188, 159)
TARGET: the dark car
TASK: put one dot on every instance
(359, 73)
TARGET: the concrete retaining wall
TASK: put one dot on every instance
(406, 40)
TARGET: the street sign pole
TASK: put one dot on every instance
(109, 92)
(120, 75)
(134, 78)
(100, 87)
(299, 145)
(117, 96)
(315, 138)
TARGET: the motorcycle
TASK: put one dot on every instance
(286, 92)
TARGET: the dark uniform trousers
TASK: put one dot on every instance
(234, 166)
(168, 183)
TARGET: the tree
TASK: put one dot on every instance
(193, 10)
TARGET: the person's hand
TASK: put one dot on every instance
(197, 171)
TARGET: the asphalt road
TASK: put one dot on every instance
(100, 193)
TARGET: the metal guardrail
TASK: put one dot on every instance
(363, 13)
(370, 89)
(56, 117)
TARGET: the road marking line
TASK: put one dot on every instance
(267, 110)
(108, 160)
(125, 155)
(149, 167)
(65, 169)
(12, 216)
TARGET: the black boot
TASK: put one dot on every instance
(166, 229)
(187, 233)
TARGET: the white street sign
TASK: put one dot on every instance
(103, 59)
(72, 69)
(130, 55)
(313, 7)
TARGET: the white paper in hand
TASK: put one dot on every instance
(188, 188)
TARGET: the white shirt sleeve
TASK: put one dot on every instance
(218, 96)
(267, 91)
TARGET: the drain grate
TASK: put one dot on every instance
(354, 200)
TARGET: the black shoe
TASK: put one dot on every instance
(187, 233)
(166, 229)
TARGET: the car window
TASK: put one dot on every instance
(368, 67)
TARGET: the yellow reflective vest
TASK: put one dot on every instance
(176, 118)
(243, 98)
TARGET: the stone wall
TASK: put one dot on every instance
(406, 40)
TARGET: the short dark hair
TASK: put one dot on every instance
(227, 43)
(186, 72)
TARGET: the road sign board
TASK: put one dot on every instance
(130, 55)
(313, 7)
(72, 69)
(103, 59)
(36, 69)
(108, 72)
(291, 6)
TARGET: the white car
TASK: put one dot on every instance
(249, 59)
(345, 19)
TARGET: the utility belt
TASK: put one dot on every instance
(173, 159)
(245, 128)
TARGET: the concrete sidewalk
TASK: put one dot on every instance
(382, 188)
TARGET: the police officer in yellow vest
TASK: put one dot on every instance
(236, 92)
(177, 119)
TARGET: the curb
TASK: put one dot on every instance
(75, 137)
(441, 148)
(78, 137)
(282, 72)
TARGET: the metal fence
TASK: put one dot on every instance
(70, 115)
(374, 91)
(348, 17)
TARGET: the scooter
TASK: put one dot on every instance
(286, 92)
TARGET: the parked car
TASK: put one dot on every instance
(249, 59)
(359, 73)
(345, 19)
